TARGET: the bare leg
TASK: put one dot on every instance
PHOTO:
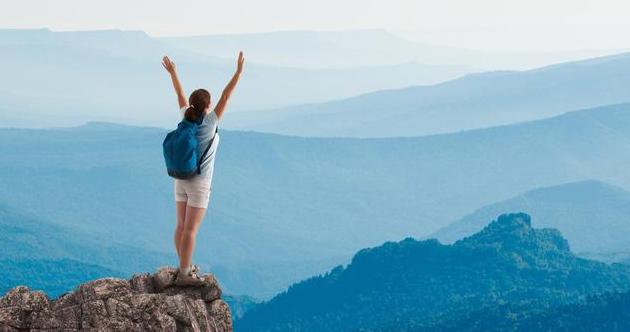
(193, 219)
(179, 228)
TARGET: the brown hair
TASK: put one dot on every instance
(199, 100)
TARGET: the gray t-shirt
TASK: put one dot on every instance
(205, 132)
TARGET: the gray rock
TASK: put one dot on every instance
(143, 303)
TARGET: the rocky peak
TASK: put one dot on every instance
(514, 232)
(143, 303)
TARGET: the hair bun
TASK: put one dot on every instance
(199, 101)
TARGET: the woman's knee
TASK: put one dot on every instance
(179, 227)
(191, 227)
(194, 216)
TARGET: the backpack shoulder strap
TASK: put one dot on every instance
(205, 152)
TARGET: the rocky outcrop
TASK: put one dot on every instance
(144, 303)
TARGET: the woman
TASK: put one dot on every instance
(192, 195)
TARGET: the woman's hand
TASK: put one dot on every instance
(170, 68)
(240, 62)
(168, 65)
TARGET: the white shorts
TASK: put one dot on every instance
(195, 192)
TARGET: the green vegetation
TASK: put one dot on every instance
(598, 313)
(412, 282)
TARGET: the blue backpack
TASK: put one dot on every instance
(180, 151)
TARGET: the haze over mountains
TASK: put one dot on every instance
(474, 101)
(94, 199)
(592, 215)
(116, 76)
(285, 208)
(44, 255)
(360, 48)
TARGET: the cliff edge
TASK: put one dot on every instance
(143, 303)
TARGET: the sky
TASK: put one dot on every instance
(508, 25)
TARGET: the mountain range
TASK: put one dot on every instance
(285, 208)
(55, 277)
(362, 48)
(115, 75)
(44, 255)
(592, 215)
(596, 313)
(329, 133)
(408, 282)
(473, 101)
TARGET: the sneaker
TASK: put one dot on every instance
(194, 268)
(192, 279)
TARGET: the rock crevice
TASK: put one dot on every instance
(143, 303)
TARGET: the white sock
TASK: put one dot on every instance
(185, 271)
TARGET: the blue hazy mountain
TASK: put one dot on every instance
(474, 101)
(602, 312)
(54, 277)
(356, 48)
(398, 283)
(239, 305)
(131, 44)
(284, 208)
(592, 215)
(117, 76)
(55, 259)
(26, 237)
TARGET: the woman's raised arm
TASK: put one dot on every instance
(227, 92)
(170, 68)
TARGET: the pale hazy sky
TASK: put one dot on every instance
(482, 24)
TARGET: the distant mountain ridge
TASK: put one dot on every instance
(361, 47)
(54, 277)
(594, 216)
(285, 208)
(474, 101)
(26, 237)
(49, 257)
(424, 281)
(115, 75)
(123, 65)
